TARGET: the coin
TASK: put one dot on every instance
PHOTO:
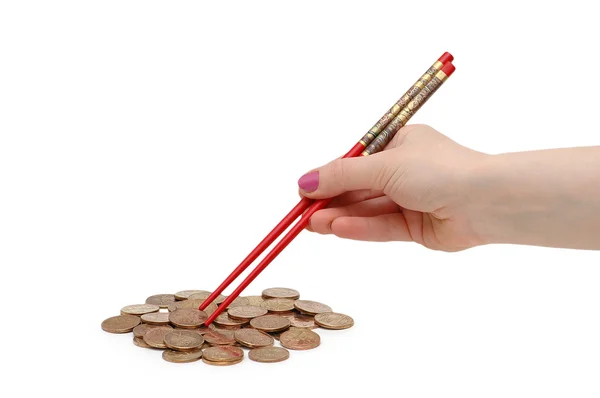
(215, 363)
(156, 337)
(138, 341)
(311, 307)
(254, 300)
(224, 320)
(300, 339)
(193, 303)
(223, 353)
(187, 318)
(334, 320)
(185, 294)
(203, 295)
(182, 356)
(269, 354)
(156, 318)
(278, 305)
(245, 312)
(139, 309)
(301, 320)
(201, 330)
(221, 337)
(162, 300)
(120, 323)
(141, 329)
(238, 302)
(281, 292)
(183, 340)
(270, 323)
(253, 338)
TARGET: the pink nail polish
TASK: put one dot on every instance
(309, 182)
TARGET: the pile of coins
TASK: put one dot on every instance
(173, 323)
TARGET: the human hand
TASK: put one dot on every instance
(417, 189)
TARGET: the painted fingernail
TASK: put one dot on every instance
(309, 182)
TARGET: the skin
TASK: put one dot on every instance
(428, 189)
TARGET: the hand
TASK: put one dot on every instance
(417, 189)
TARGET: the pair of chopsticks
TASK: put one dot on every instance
(374, 141)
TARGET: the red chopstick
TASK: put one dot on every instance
(306, 203)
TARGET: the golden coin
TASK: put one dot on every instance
(156, 337)
(140, 330)
(183, 340)
(120, 323)
(299, 339)
(238, 302)
(254, 300)
(269, 354)
(253, 338)
(246, 312)
(162, 300)
(278, 305)
(221, 337)
(139, 309)
(223, 353)
(185, 294)
(187, 318)
(281, 292)
(215, 363)
(138, 341)
(270, 323)
(301, 320)
(224, 320)
(333, 320)
(201, 330)
(182, 356)
(204, 295)
(156, 318)
(311, 307)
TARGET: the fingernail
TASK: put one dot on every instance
(309, 182)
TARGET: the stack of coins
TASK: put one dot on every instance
(173, 323)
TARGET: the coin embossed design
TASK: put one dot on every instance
(224, 320)
(156, 337)
(270, 323)
(253, 338)
(254, 300)
(203, 295)
(120, 323)
(183, 340)
(300, 339)
(185, 294)
(278, 305)
(156, 318)
(281, 292)
(220, 337)
(182, 356)
(162, 300)
(138, 341)
(269, 354)
(225, 353)
(301, 320)
(246, 312)
(311, 307)
(334, 320)
(187, 318)
(141, 329)
(139, 309)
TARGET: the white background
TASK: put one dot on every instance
(147, 146)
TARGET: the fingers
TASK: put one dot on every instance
(343, 175)
(322, 220)
(382, 228)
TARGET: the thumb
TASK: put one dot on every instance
(343, 175)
